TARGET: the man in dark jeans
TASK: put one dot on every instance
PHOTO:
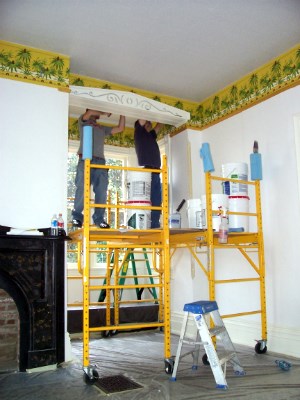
(148, 155)
(99, 177)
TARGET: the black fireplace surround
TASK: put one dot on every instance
(32, 272)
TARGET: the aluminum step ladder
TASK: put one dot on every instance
(203, 313)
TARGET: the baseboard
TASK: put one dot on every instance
(280, 340)
(128, 313)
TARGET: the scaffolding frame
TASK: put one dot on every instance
(241, 241)
(163, 242)
(116, 241)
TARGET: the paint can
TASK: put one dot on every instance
(138, 185)
(235, 171)
(138, 218)
(239, 204)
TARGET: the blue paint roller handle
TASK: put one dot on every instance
(256, 167)
(87, 144)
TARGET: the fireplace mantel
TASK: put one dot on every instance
(32, 272)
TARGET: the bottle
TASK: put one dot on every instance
(60, 225)
(223, 228)
(283, 364)
(54, 225)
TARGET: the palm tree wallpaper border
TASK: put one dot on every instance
(272, 78)
(33, 65)
(49, 69)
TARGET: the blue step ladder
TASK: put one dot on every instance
(203, 313)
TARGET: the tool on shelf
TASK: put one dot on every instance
(175, 218)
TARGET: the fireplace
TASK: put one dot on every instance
(32, 272)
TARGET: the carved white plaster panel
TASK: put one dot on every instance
(132, 105)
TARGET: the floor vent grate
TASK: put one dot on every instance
(116, 383)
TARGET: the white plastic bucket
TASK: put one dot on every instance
(194, 213)
(138, 185)
(239, 204)
(136, 218)
(218, 200)
(235, 171)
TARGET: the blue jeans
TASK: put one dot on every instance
(155, 199)
(99, 181)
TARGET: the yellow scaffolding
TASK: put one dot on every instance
(120, 241)
(244, 242)
(160, 242)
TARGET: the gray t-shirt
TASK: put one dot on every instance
(99, 133)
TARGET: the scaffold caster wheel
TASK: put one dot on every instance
(260, 347)
(169, 365)
(205, 359)
(90, 380)
(105, 334)
(113, 333)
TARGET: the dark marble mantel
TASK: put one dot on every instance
(32, 272)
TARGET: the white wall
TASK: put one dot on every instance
(272, 124)
(33, 154)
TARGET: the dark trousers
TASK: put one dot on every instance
(155, 199)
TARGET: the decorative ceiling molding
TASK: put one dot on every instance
(132, 105)
(31, 65)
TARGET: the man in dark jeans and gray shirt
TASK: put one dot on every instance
(148, 155)
(99, 177)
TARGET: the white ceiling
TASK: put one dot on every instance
(189, 49)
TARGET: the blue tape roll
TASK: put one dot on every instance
(87, 143)
(206, 156)
(256, 167)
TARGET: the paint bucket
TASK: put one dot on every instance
(239, 204)
(235, 171)
(138, 218)
(218, 200)
(138, 185)
(194, 213)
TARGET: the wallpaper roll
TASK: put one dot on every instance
(206, 156)
(87, 144)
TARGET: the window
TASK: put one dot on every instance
(116, 188)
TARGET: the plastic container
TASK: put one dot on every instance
(223, 230)
(218, 200)
(60, 225)
(138, 219)
(138, 186)
(235, 171)
(194, 213)
(239, 204)
(282, 364)
(175, 220)
(54, 225)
